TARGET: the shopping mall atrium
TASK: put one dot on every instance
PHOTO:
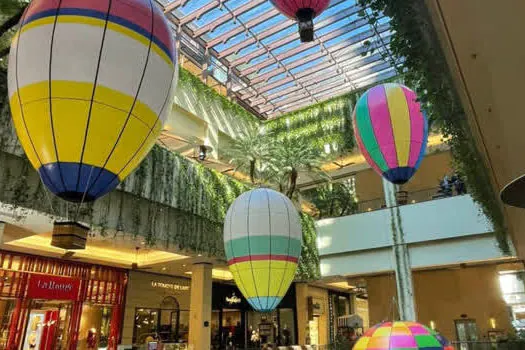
(262, 174)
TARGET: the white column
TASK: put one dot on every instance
(200, 307)
(401, 257)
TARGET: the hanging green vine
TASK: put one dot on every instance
(327, 123)
(208, 95)
(424, 69)
(308, 268)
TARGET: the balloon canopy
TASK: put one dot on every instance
(262, 240)
(90, 85)
(303, 11)
(391, 131)
(402, 335)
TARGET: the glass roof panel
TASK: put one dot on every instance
(261, 48)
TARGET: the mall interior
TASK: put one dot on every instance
(120, 187)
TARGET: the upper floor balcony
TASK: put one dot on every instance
(440, 232)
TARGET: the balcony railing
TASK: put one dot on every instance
(424, 195)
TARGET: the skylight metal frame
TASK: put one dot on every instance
(269, 72)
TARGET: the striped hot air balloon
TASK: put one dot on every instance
(391, 131)
(262, 240)
(402, 335)
(90, 85)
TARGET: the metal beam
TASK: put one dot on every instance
(294, 36)
(290, 53)
(174, 4)
(240, 29)
(210, 27)
(323, 75)
(199, 12)
(355, 47)
(353, 55)
(338, 91)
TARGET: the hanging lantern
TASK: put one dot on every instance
(391, 131)
(402, 335)
(304, 11)
(262, 240)
(90, 85)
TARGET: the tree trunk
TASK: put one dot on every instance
(12, 21)
(293, 183)
(252, 171)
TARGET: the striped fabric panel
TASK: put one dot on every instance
(367, 135)
(417, 126)
(120, 13)
(262, 245)
(382, 125)
(400, 120)
(401, 336)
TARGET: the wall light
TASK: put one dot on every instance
(433, 325)
(492, 321)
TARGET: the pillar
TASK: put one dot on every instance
(401, 257)
(2, 228)
(301, 296)
(200, 308)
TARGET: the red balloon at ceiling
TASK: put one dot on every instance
(303, 11)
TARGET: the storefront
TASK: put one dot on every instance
(157, 309)
(235, 323)
(57, 304)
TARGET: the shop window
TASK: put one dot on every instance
(94, 327)
(167, 324)
(263, 327)
(287, 327)
(6, 310)
(146, 324)
(46, 326)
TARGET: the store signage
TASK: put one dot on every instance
(172, 286)
(233, 299)
(53, 287)
(315, 306)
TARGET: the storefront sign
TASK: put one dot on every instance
(53, 287)
(233, 299)
(315, 306)
(172, 286)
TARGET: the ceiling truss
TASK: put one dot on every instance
(268, 70)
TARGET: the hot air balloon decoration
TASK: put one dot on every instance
(402, 335)
(262, 240)
(304, 11)
(391, 131)
(90, 85)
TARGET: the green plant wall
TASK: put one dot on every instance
(326, 123)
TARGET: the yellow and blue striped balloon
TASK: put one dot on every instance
(391, 131)
(90, 85)
(262, 240)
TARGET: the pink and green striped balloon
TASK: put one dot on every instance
(391, 131)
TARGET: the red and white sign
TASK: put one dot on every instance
(53, 287)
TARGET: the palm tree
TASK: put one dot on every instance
(251, 152)
(334, 199)
(292, 157)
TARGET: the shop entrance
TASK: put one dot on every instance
(47, 325)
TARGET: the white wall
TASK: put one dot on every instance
(439, 232)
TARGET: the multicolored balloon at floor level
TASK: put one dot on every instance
(262, 240)
(391, 131)
(304, 11)
(90, 85)
(401, 335)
